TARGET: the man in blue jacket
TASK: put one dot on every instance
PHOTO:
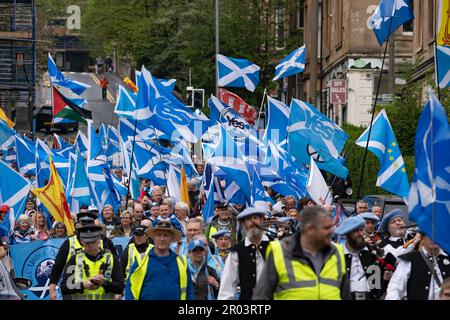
(161, 275)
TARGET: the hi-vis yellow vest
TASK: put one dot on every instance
(134, 255)
(138, 276)
(297, 281)
(76, 247)
(85, 268)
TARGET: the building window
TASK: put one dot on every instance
(339, 22)
(300, 14)
(279, 22)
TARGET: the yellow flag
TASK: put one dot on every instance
(184, 187)
(443, 17)
(6, 119)
(53, 198)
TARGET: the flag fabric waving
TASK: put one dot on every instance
(429, 197)
(392, 176)
(57, 78)
(64, 108)
(292, 64)
(14, 191)
(235, 72)
(53, 198)
(311, 133)
(442, 55)
(277, 119)
(389, 15)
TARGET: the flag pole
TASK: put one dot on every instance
(217, 11)
(131, 164)
(436, 68)
(261, 106)
(373, 113)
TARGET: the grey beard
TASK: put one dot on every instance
(255, 233)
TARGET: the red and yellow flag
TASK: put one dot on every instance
(6, 119)
(184, 187)
(53, 198)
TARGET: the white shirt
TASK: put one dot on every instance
(358, 280)
(396, 289)
(399, 251)
(230, 275)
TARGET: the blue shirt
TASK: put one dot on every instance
(162, 281)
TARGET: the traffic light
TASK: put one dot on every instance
(195, 98)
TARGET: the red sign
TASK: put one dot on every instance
(245, 110)
(338, 91)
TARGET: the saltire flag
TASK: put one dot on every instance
(14, 191)
(169, 84)
(58, 78)
(53, 198)
(166, 112)
(229, 158)
(126, 104)
(208, 208)
(81, 142)
(259, 196)
(9, 155)
(292, 64)
(80, 192)
(277, 119)
(429, 197)
(392, 175)
(173, 183)
(127, 130)
(5, 118)
(26, 156)
(7, 135)
(60, 143)
(234, 72)
(311, 133)
(389, 15)
(64, 108)
(284, 165)
(442, 65)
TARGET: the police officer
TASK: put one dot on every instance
(360, 261)
(245, 262)
(136, 250)
(71, 246)
(93, 273)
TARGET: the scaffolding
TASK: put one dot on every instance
(18, 60)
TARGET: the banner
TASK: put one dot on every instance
(34, 261)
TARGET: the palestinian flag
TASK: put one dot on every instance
(64, 108)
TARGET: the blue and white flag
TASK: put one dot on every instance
(127, 130)
(14, 191)
(429, 197)
(95, 153)
(126, 104)
(56, 77)
(283, 164)
(167, 113)
(259, 196)
(389, 15)
(7, 135)
(443, 66)
(392, 175)
(81, 142)
(80, 192)
(232, 121)
(169, 84)
(229, 158)
(26, 154)
(312, 134)
(277, 119)
(239, 73)
(208, 208)
(62, 144)
(292, 64)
